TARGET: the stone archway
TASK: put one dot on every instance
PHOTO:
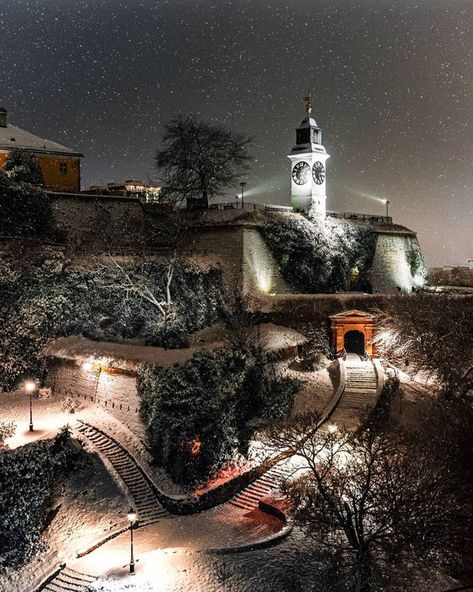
(354, 342)
(348, 326)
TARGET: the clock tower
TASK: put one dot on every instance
(308, 156)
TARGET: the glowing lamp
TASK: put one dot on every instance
(30, 386)
(332, 428)
(87, 366)
(131, 515)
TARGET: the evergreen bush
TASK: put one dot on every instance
(29, 479)
(197, 413)
(317, 255)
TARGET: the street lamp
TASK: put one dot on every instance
(242, 185)
(131, 519)
(387, 202)
(30, 388)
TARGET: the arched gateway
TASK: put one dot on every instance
(353, 331)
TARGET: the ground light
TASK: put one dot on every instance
(30, 388)
(131, 519)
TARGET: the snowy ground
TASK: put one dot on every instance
(171, 556)
(316, 389)
(286, 567)
(91, 506)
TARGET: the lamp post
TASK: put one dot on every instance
(242, 185)
(131, 519)
(30, 388)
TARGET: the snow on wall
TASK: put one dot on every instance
(260, 270)
(391, 269)
(117, 393)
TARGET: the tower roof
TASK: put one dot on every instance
(308, 122)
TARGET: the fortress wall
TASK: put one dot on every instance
(260, 270)
(391, 270)
(117, 393)
(220, 244)
(98, 221)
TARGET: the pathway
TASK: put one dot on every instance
(360, 390)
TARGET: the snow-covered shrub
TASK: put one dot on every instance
(43, 298)
(318, 255)
(197, 413)
(69, 404)
(29, 478)
(7, 430)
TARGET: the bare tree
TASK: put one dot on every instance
(199, 160)
(138, 284)
(432, 333)
(375, 495)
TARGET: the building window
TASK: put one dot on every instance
(63, 168)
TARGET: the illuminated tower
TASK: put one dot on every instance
(308, 156)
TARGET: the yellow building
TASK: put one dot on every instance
(60, 165)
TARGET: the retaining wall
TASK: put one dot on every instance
(116, 392)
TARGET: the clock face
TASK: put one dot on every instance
(318, 173)
(301, 173)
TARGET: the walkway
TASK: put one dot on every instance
(360, 390)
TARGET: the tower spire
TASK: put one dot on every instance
(308, 106)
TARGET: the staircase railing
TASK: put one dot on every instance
(342, 354)
(365, 357)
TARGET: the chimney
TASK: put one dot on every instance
(3, 117)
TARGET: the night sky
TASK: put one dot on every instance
(391, 84)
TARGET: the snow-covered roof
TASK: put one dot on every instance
(14, 137)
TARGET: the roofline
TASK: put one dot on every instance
(42, 151)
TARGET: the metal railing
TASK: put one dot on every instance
(237, 205)
(363, 217)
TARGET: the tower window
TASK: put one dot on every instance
(63, 168)
(303, 136)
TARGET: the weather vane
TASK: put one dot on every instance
(308, 107)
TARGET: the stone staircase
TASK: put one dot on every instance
(69, 580)
(268, 483)
(360, 389)
(147, 505)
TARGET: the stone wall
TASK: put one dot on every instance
(260, 270)
(229, 238)
(221, 245)
(391, 271)
(98, 222)
(116, 392)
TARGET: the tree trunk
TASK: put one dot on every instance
(365, 570)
